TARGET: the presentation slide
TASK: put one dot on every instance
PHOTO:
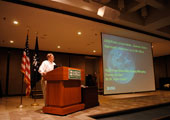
(127, 65)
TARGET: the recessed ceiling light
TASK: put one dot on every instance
(58, 46)
(79, 33)
(15, 22)
(11, 41)
(94, 51)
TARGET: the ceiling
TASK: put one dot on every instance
(145, 20)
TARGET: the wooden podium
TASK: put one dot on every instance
(63, 92)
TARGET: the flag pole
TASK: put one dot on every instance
(35, 103)
(21, 105)
(23, 76)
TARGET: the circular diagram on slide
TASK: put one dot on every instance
(122, 64)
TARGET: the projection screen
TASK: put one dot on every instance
(127, 65)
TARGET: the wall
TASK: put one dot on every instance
(3, 68)
(11, 83)
(161, 68)
(11, 77)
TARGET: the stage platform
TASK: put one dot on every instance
(108, 104)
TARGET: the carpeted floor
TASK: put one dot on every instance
(160, 112)
(108, 104)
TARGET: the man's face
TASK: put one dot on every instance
(51, 58)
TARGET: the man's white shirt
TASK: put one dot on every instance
(46, 66)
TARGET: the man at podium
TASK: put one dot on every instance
(46, 66)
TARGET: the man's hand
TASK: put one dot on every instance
(44, 73)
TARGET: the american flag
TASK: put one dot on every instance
(25, 67)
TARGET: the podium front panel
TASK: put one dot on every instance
(63, 93)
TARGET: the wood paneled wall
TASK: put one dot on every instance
(161, 68)
(11, 82)
(101, 82)
(12, 86)
(3, 68)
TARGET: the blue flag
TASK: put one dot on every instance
(36, 75)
